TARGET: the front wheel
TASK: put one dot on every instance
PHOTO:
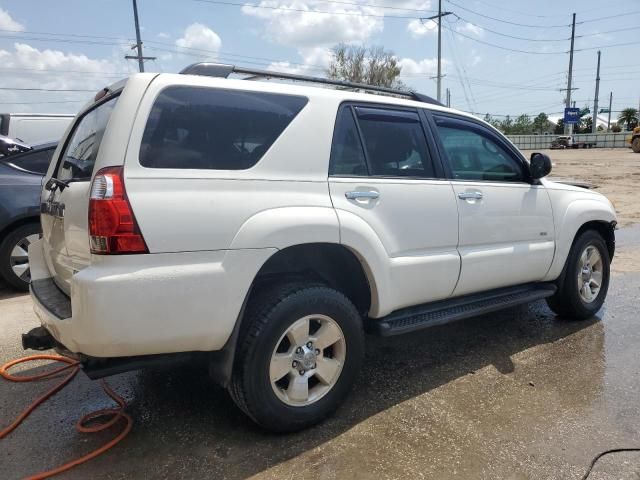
(635, 145)
(586, 278)
(298, 357)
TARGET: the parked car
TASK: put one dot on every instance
(34, 128)
(262, 227)
(20, 187)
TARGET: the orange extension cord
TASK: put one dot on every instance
(73, 367)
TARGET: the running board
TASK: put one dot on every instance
(450, 310)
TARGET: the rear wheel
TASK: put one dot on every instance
(298, 357)
(14, 258)
(586, 278)
(635, 145)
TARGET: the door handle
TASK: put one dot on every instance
(357, 195)
(470, 195)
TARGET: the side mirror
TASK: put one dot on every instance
(540, 165)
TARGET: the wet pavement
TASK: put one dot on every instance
(516, 395)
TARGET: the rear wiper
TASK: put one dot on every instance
(54, 183)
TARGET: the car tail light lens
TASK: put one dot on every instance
(112, 226)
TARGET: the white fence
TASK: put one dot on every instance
(603, 140)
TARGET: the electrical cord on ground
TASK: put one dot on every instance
(602, 454)
(113, 415)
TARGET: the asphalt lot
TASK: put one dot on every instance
(517, 395)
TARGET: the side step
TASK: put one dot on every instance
(450, 310)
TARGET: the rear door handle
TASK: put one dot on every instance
(470, 195)
(357, 195)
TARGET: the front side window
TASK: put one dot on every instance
(475, 156)
(214, 129)
(395, 143)
(80, 154)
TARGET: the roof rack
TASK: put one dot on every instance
(223, 71)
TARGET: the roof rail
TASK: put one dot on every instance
(220, 70)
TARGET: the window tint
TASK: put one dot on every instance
(347, 156)
(36, 162)
(474, 156)
(82, 147)
(207, 128)
(395, 143)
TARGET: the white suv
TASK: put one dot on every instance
(263, 227)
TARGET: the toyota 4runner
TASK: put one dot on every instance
(262, 227)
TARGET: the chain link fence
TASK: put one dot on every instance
(602, 140)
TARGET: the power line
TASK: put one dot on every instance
(503, 48)
(512, 36)
(606, 46)
(506, 21)
(636, 12)
(608, 31)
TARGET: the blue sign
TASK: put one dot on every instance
(571, 115)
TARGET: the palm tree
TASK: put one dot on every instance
(628, 116)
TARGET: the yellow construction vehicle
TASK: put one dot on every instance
(634, 139)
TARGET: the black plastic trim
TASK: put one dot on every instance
(51, 297)
(445, 311)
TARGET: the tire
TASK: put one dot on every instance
(569, 301)
(270, 315)
(12, 258)
(635, 145)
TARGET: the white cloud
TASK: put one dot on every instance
(315, 61)
(29, 67)
(424, 67)
(469, 28)
(163, 35)
(292, 23)
(200, 37)
(418, 28)
(8, 23)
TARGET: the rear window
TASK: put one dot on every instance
(214, 129)
(82, 146)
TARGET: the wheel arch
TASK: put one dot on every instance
(329, 263)
(17, 223)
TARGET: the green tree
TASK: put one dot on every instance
(586, 125)
(541, 123)
(506, 125)
(628, 116)
(559, 129)
(522, 125)
(371, 66)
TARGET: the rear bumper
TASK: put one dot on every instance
(132, 305)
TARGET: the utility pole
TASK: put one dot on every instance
(609, 119)
(568, 129)
(439, 17)
(140, 57)
(448, 98)
(594, 117)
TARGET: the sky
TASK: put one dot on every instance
(499, 57)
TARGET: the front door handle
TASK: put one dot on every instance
(357, 195)
(470, 195)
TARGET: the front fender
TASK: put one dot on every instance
(569, 220)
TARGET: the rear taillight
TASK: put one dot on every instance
(112, 227)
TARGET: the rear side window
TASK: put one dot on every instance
(82, 147)
(35, 162)
(395, 143)
(214, 129)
